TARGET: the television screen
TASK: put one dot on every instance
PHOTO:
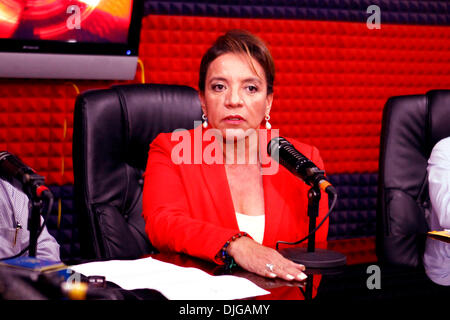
(66, 20)
(86, 28)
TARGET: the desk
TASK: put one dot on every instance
(355, 282)
(358, 281)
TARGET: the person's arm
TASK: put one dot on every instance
(47, 246)
(168, 222)
(256, 258)
(170, 227)
(439, 181)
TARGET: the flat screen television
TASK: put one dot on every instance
(70, 39)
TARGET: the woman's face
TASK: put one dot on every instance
(235, 97)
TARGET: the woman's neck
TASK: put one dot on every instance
(242, 151)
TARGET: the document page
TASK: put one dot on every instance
(174, 282)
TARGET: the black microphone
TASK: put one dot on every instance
(293, 160)
(284, 152)
(21, 176)
(13, 170)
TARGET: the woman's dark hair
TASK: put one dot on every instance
(239, 42)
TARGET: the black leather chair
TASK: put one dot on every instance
(112, 131)
(411, 126)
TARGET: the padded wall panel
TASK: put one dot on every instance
(393, 11)
(354, 215)
(32, 118)
(62, 222)
(36, 124)
(332, 80)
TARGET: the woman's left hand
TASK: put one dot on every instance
(264, 261)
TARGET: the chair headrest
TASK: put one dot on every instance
(403, 142)
(113, 129)
(121, 122)
(412, 125)
(151, 109)
(439, 115)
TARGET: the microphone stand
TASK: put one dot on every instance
(312, 257)
(34, 216)
(308, 290)
(34, 224)
(313, 209)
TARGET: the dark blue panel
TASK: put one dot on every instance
(355, 213)
(66, 231)
(435, 12)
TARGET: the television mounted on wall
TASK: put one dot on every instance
(70, 39)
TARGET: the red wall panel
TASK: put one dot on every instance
(332, 81)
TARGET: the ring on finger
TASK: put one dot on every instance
(269, 267)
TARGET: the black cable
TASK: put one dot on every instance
(333, 203)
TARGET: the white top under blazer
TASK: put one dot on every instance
(253, 225)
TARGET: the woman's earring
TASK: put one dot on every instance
(205, 121)
(268, 125)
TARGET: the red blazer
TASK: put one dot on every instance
(188, 207)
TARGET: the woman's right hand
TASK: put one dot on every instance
(264, 261)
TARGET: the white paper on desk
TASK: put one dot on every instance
(174, 282)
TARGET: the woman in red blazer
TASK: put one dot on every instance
(203, 187)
